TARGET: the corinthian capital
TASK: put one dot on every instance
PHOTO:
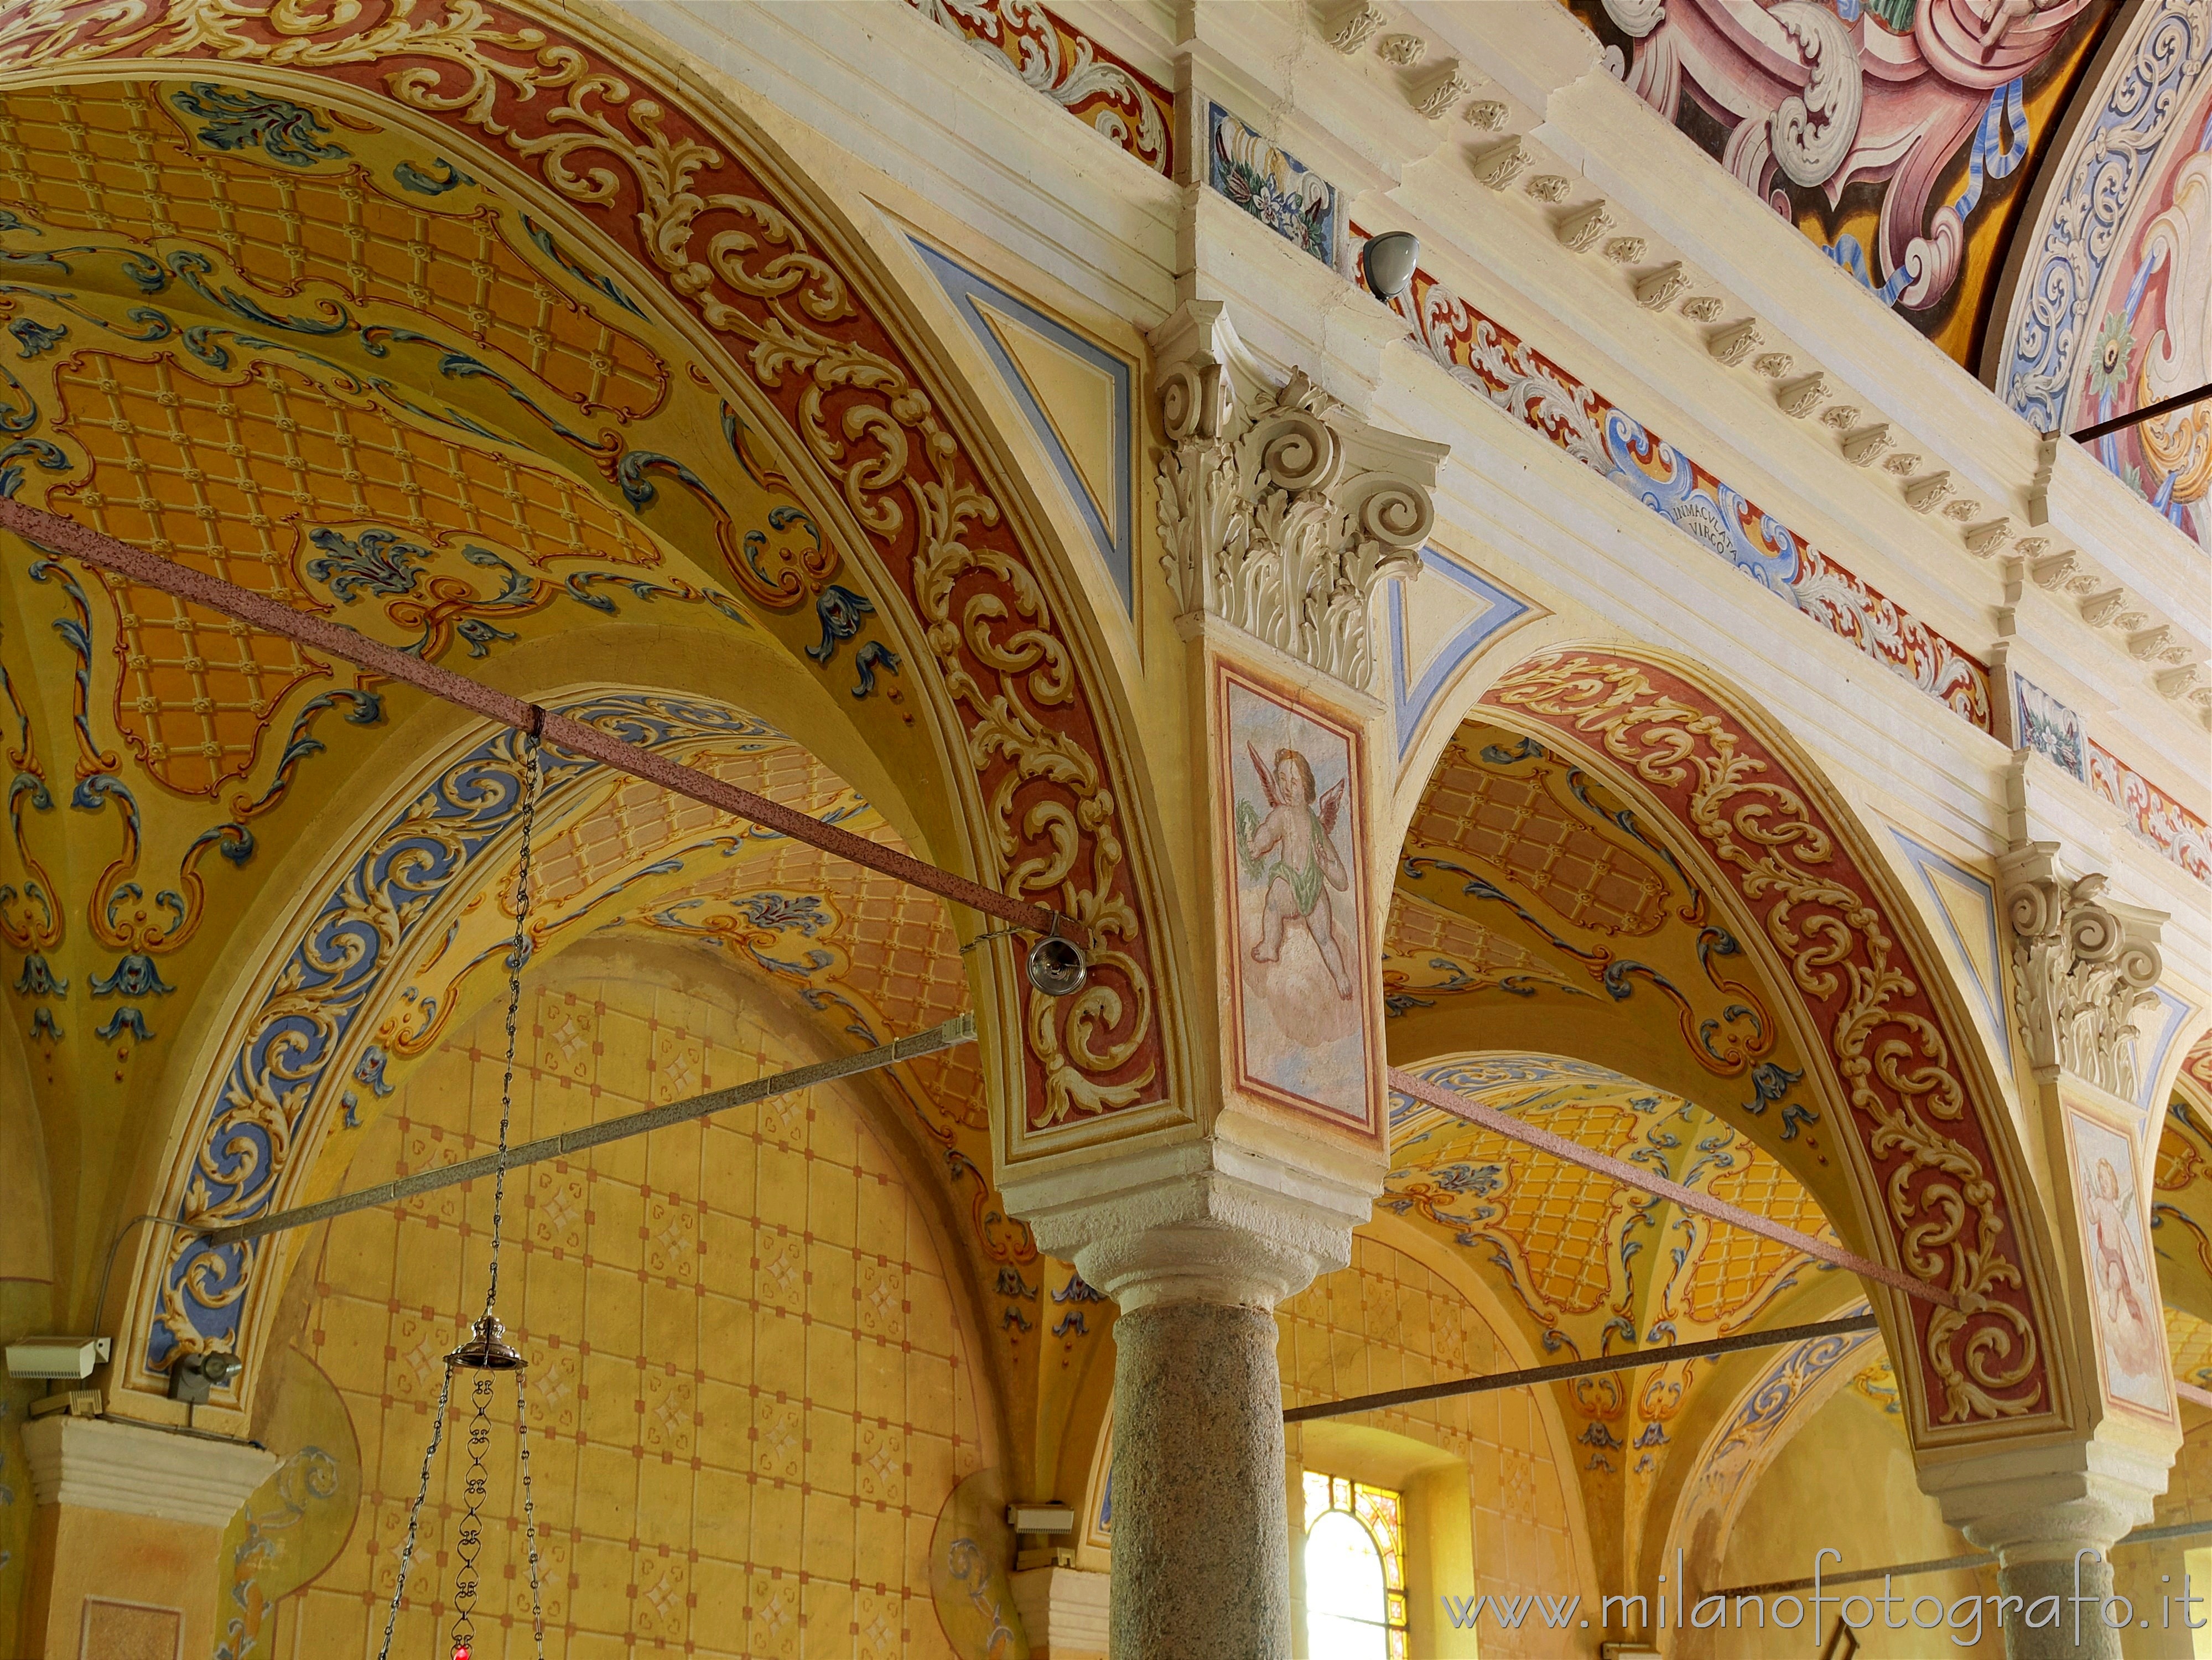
(1282, 511)
(2083, 966)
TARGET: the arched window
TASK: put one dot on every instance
(1355, 1561)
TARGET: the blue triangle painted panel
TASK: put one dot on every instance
(971, 295)
(1986, 948)
(1410, 698)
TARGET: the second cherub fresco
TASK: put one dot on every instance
(1298, 909)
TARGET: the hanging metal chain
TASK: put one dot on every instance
(487, 1352)
(468, 1544)
(529, 1509)
(415, 1512)
(533, 781)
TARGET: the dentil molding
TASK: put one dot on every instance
(2084, 966)
(1282, 511)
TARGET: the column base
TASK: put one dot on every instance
(1064, 1612)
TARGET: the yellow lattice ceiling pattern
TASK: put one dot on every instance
(1736, 1266)
(1525, 826)
(100, 156)
(228, 476)
(2190, 1341)
(1573, 1244)
(1415, 929)
(634, 824)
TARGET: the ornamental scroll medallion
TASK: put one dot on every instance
(694, 207)
(1934, 1158)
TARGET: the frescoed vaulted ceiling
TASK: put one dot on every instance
(1530, 901)
(1548, 955)
(332, 371)
(2181, 1217)
(1588, 1265)
(321, 360)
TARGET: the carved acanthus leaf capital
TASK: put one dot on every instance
(1281, 510)
(2084, 966)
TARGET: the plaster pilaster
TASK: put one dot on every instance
(129, 1528)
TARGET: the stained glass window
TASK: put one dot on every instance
(1355, 1562)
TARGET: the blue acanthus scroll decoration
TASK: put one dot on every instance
(377, 909)
(247, 120)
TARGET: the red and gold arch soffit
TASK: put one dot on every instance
(470, 328)
(1616, 862)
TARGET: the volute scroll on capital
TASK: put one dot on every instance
(1282, 511)
(2085, 965)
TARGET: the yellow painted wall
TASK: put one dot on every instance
(1845, 1480)
(2147, 1573)
(752, 1392)
(1387, 1321)
(25, 1308)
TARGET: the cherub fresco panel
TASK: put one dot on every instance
(2124, 1294)
(1300, 918)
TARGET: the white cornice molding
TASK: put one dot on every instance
(1657, 180)
(97, 1463)
(944, 124)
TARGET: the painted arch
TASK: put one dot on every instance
(1618, 861)
(631, 360)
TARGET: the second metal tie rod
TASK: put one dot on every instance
(1567, 1370)
(106, 553)
(954, 1032)
(1642, 1180)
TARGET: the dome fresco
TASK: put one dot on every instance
(2026, 186)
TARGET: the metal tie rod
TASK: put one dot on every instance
(106, 553)
(951, 1034)
(1777, 1338)
(2137, 417)
(1643, 1181)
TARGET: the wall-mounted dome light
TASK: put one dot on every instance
(1058, 967)
(1386, 264)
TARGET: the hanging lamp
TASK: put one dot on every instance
(486, 1352)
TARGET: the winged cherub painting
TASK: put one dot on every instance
(1293, 850)
(1298, 955)
(2123, 1290)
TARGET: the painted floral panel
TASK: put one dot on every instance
(2049, 728)
(1273, 186)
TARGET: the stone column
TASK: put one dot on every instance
(129, 1525)
(2051, 1516)
(1198, 1478)
(1197, 1262)
(1283, 512)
